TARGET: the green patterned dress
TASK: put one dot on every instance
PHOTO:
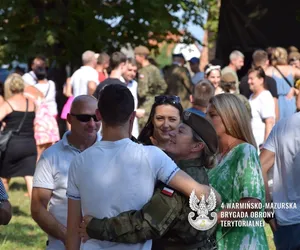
(239, 175)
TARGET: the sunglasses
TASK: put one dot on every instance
(167, 99)
(85, 118)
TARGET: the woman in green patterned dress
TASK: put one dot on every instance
(238, 177)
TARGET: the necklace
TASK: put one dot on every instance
(231, 146)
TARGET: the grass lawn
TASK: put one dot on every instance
(22, 233)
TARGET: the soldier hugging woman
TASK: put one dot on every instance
(193, 146)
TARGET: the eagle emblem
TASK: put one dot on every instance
(202, 207)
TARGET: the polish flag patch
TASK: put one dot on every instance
(167, 191)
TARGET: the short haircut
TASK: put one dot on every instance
(116, 59)
(102, 58)
(235, 54)
(260, 73)
(115, 104)
(88, 57)
(40, 57)
(132, 61)
(259, 57)
(202, 93)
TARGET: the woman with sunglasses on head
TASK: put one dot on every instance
(164, 117)
(193, 145)
(237, 177)
(213, 74)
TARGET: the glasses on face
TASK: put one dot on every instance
(167, 99)
(85, 118)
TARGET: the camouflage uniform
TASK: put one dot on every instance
(179, 83)
(150, 84)
(164, 219)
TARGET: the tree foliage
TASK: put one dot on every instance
(63, 29)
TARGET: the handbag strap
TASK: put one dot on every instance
(23, 119)
(287, 80)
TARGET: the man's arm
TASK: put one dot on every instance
(91, 87)
(74, 219)
(5, 212)
(185, 184)
(39, 212)
(267, 159)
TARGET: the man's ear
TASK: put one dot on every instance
(198, 147)
(98, 115)
(131, 120)
(69, 118)
(191, 98)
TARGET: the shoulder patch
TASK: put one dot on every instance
(141, 76)
(167, 191)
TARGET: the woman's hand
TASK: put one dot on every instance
(82, 229)
(291, 94)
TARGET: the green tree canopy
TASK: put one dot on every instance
(63, 29)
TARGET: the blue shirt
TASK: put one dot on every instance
(3, 194)
(196, 111)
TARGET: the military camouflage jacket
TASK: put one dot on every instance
(164, 219)
(150, 83)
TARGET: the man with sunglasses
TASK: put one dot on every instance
(51, 175)
(117, 174)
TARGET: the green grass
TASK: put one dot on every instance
(22, 233)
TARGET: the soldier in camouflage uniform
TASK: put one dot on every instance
(150, 82)
(178, 80)
(165, 217)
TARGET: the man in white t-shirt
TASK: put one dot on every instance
(30, 77)
(132, 85)
(84, 81)
(116, 174)
(282, 149)
(51, 175)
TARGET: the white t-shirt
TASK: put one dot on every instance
(52, 173)
(30, 78)
(133, 85)
(262, 107)
(113, 177)
(284, 141)
(49, 91)
(81, 78)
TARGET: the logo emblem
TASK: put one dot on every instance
(202, 207)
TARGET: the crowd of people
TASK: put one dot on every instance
(141, 139)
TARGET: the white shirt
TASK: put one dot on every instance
(262, 107)
(49, 91)
(284, 141)
(30, 78)
(81, 78)
(113, 177)
(132, 86)
(52, 173)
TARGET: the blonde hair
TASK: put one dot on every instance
(13, 84)
(235, 117)
(279, 56)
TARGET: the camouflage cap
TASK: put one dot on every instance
(203, 128)
(141, 50)
(228, 78)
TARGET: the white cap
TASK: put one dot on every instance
(191, 51)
